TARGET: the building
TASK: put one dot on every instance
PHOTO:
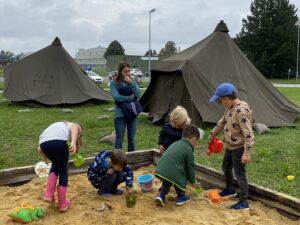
(136, 61)
(4, 62)
(93, 57)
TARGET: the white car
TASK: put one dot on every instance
(137, 73)
(95, 77)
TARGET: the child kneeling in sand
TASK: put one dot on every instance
(109, 170)
(176, 167)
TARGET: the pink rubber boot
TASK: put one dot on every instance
(51, 185)
(63, 202)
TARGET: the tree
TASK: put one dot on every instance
(153, 53)
(170, 48)
(9, 56)
(162, 52)
(269, 36)
(114, 48)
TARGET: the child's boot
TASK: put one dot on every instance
(51, 185)
(63, 202)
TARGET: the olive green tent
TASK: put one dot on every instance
(190, 77)
(50, 76)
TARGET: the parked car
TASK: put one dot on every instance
(95, 77)
(137, 73)
(111, 74)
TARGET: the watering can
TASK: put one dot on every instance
(215, 146)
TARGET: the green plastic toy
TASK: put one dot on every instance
(198, 190)
(130, 200)
(26, 213)
(78, 160)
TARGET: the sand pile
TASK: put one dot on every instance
(86, 203)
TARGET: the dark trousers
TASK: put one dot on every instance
(120, 125)
(58, 152)
(232, 160)
(110, 182)
(166, 185)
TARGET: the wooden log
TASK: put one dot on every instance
(210, 178)
(20, 175)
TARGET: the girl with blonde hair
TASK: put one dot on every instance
(172, 131)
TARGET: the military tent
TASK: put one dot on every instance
(50, 76)
(189, 78)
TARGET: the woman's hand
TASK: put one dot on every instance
(128, 79)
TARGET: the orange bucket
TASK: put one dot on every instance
(214, 197)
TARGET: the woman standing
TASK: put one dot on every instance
(124, 90)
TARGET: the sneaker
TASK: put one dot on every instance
(182, 198)
(228, 194)
(118, 192)
(240, 205)
(104, 194)
(160, 199)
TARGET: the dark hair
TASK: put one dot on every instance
(122, 65)
(118, 157)
(190, 131)
(231, 97)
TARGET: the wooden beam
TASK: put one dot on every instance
(20, 175)
(211, 178)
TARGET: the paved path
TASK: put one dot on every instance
(286, 85)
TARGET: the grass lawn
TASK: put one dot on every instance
(275, 155)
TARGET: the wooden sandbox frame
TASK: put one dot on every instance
(209, 178)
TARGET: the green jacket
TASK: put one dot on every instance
(177, 164)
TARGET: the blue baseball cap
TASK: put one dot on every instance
(223, 89)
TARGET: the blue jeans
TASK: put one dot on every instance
(232, 159)
(120, 124)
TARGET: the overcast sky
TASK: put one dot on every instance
(29, 25)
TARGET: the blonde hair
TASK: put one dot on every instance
(179, 117)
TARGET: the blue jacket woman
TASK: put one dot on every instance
(124, 90)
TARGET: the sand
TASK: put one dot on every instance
(86, 202)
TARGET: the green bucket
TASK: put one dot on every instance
(78, 160)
